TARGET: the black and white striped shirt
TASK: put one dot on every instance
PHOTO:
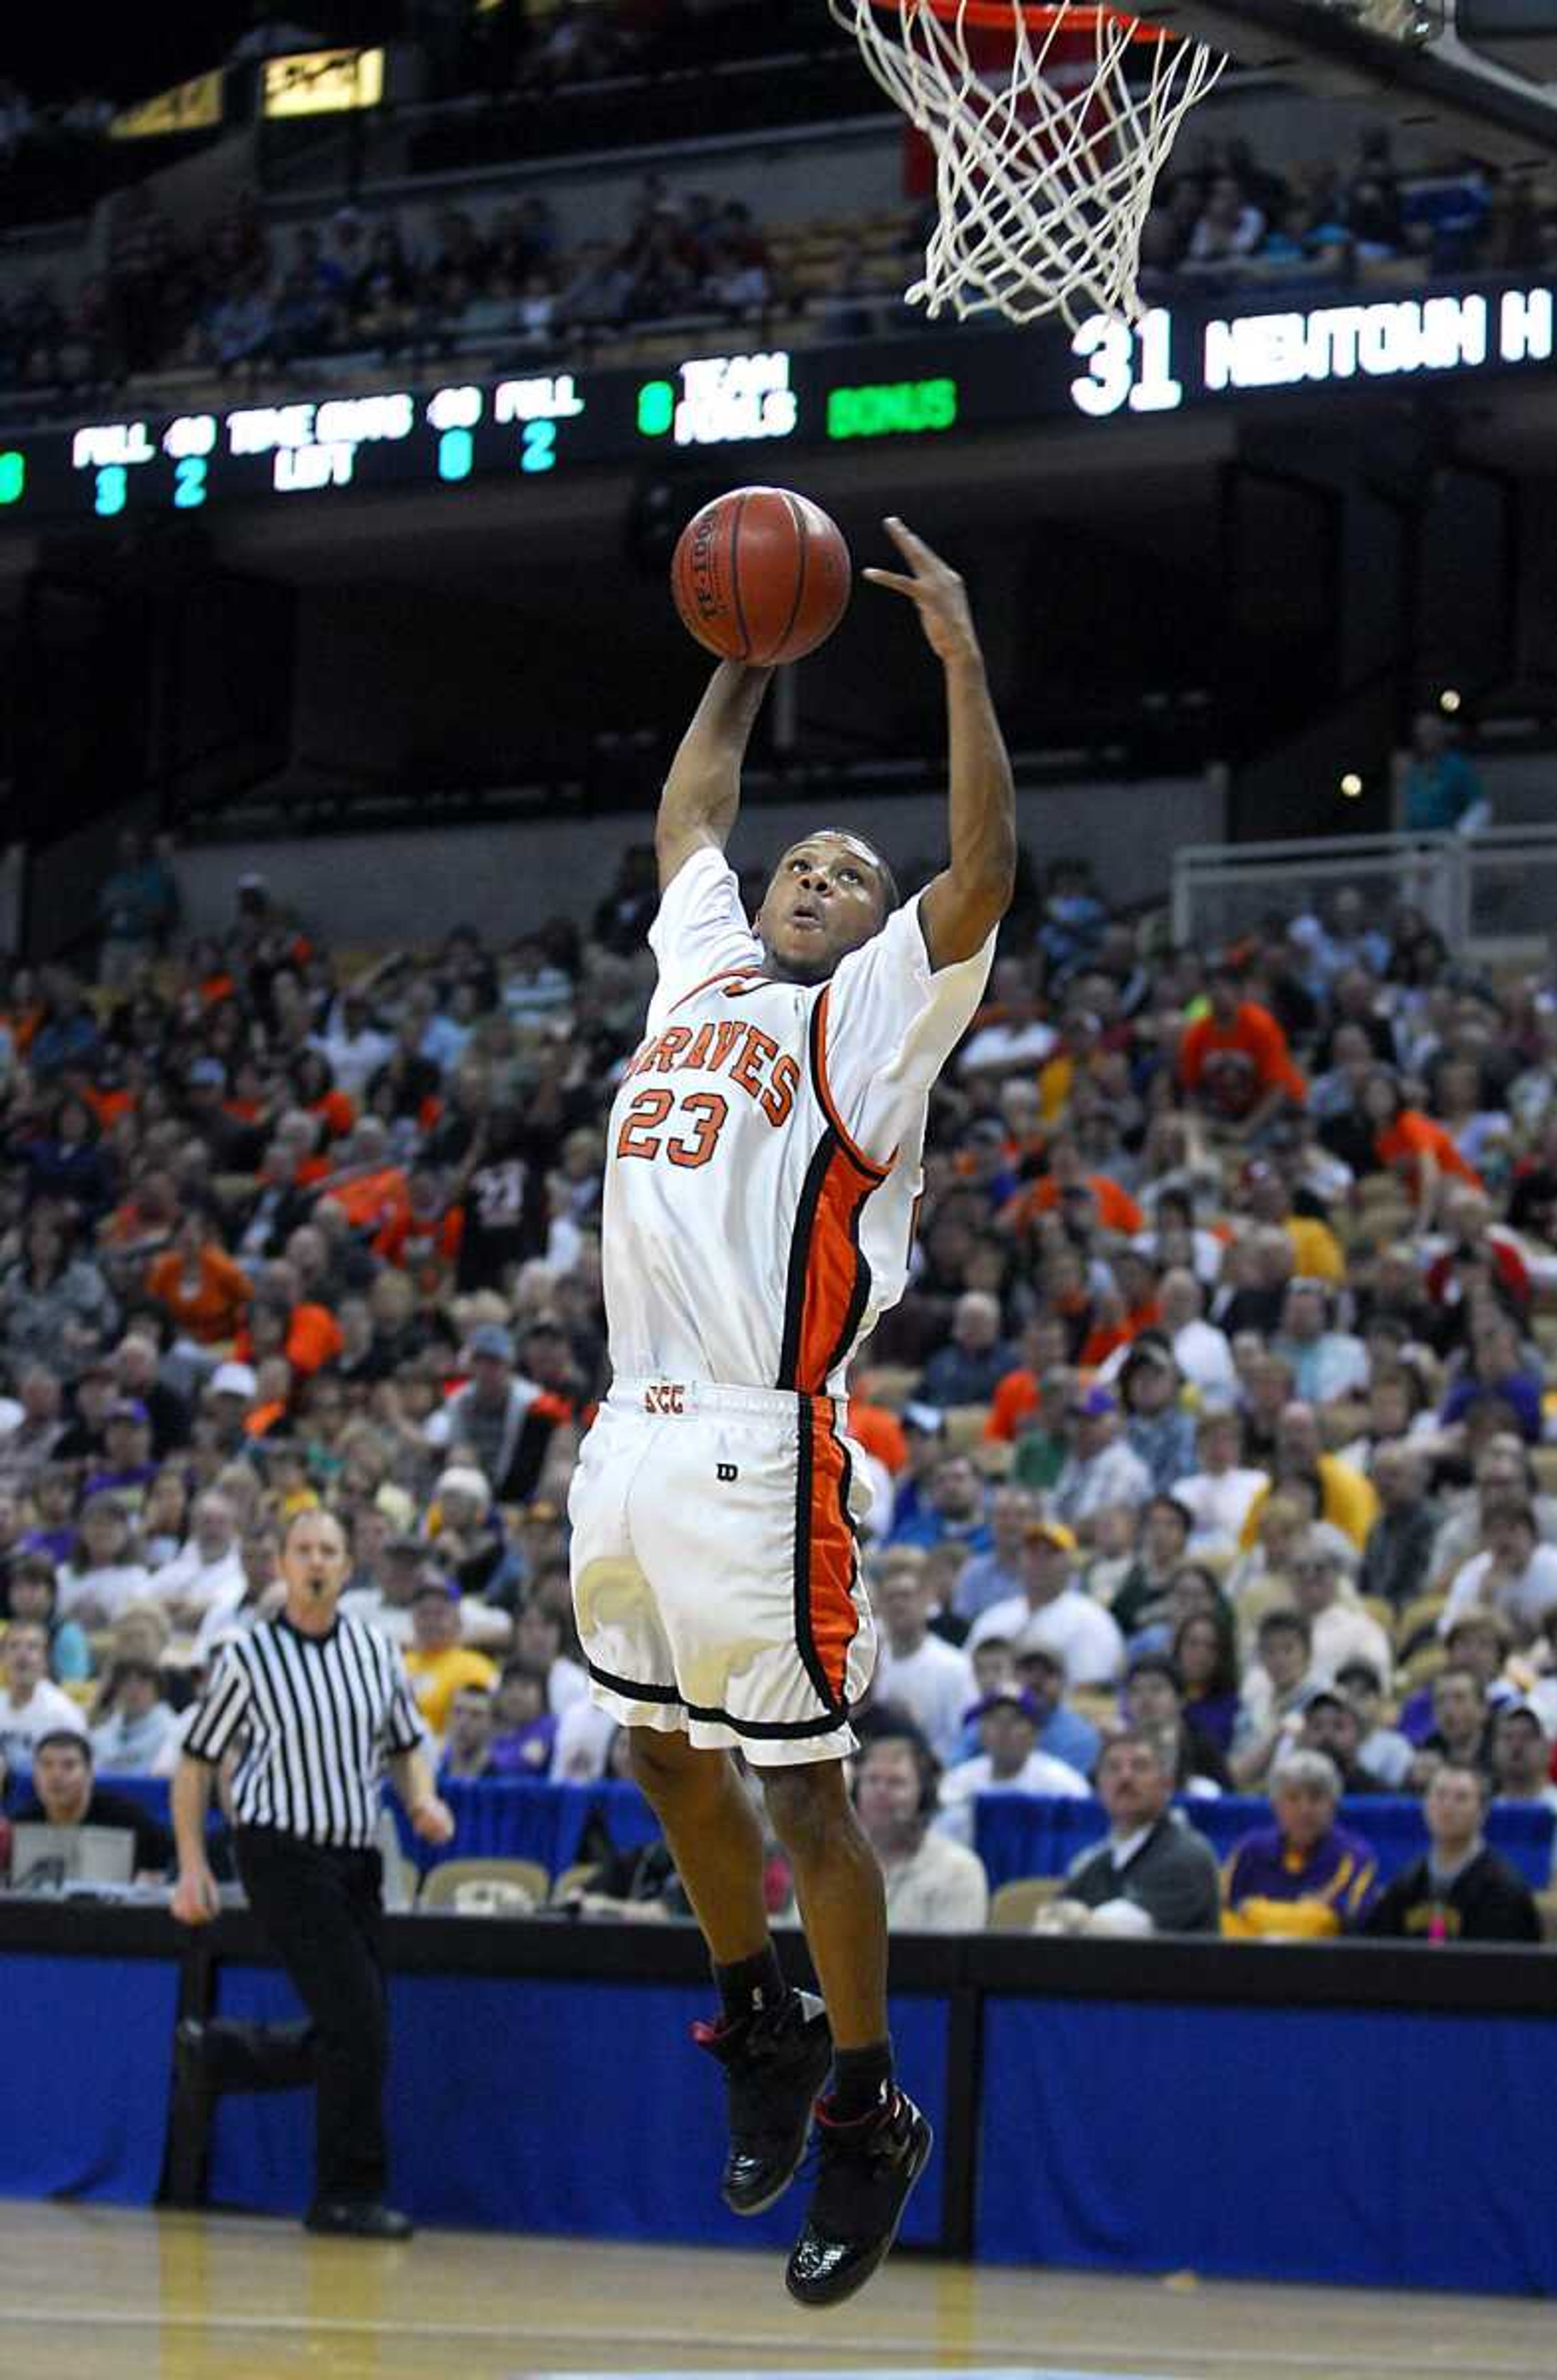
(315, 1719)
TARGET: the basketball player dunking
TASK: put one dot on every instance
(763, 1168)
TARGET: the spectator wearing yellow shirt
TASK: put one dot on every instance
(1079, 1052)
(437, 1662)
(1346, 1496)
(1315, 1250)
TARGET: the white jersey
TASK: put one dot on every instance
(763, 1158)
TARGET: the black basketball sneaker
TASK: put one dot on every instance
(867, 2169)
(774, 2063)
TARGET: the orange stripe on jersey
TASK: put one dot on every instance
(826, 1622)
(829, 1279)
(824, 1093)
(725, 974)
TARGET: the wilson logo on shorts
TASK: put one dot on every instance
(665, 1397)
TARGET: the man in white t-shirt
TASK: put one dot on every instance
(1513, 1574)
(1010, 1763)
(933, 1885)
(763, 1169)
(1053, 1612)
(262, 1593)
(928, 1681)
(30, 1704)
(1200, 1349)
(1340, 1630)
(1218, 1495)
(206, 1573)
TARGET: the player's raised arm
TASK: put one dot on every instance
(968, 900)
(703, 791)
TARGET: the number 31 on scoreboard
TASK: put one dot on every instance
(1125, 366)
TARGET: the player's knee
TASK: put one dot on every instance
(663, 1765)
(807, 1806)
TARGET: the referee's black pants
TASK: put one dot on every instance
(322, 1914)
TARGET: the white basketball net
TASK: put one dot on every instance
(1042, 186)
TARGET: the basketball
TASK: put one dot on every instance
(760, 574)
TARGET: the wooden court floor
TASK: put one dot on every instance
(95, 2294)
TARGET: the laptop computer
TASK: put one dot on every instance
(44, 1859)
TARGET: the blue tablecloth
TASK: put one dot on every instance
(1028, 1834)
(85, 2074)
(1017, 1834)
(519, 1817)
(553, 2107)
(1294, 2144)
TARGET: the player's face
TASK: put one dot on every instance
(826, 897)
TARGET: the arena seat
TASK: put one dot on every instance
(1416, 1621)
(1422, 1666)
(486, 1888)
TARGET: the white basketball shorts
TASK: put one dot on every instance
(715, 1575)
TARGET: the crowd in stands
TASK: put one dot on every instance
(245, 303)
(242, 300)
(1221, 216)
(1212, 1451)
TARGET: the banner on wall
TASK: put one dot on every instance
(321, 83)
(192, 107)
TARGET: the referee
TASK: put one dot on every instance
(315, 1705)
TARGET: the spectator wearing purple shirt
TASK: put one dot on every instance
(1497, 1370)
(524, 1731)
(1305, 1879)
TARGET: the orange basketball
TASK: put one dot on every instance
(760, 574)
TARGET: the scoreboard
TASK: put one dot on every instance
(917, 390)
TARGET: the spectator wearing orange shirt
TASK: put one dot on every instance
(424, 1237)
(875, 1427)
(315, 1091)
(198, 1284)
(1408, 1143)
(1122, 1311)
(1116, 1210)
(149, 1215)
(1044, 1346)
(1234, 1060)
(369, 1188)
(308, 1336)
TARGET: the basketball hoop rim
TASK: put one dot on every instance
(1041, 18)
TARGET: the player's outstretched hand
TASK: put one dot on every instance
(936, 588)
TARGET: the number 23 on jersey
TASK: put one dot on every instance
(643, 1133)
